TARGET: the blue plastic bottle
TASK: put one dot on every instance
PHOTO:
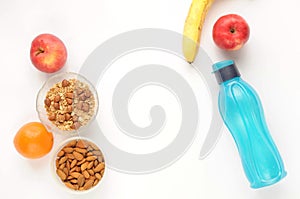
(242, 112)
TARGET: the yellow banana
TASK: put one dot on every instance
(193, 27)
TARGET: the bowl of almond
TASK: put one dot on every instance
(78, 165)
(67, 103)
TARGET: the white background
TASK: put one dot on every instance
(268, 62)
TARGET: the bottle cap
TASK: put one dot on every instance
(225, 70)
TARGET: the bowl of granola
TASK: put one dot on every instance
(67, 103)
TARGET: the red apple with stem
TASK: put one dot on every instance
(231, 32)
(48, 53)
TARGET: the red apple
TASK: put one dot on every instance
(48, 53)
(231, 32)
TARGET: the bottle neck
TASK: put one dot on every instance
(235, 79)
(227, 73)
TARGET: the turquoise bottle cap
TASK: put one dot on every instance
(225, 70)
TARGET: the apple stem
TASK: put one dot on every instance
(40, 50)
(232, 30)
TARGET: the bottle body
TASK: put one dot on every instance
(242, 112)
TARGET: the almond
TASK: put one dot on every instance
(74, 181)
(81, 162)
(70, 156)
(66, 171)
(75, 174)
(56, 163)
(99, 167)
(81, 144)
(73, 169)
(100, 158)
(94, 146)
(86, 174)
(84, 166)
(77, 155)
(80, 180)
(88, 184)
(62, 160)
(68, 166)
(80, 150)
(90, 148)
(98, 176)
(91, 172)
(68, 149)
(61, 174)
(76, 187)
(74, 162)
(91, 178)
(97, 153)
(90, 165)
(69, 185)
(91, 158)
(96, 182)
(61, 153)
(71, 143)
(96, 163)
(77, 169)
(102, 172)
(62, 166)
(89, 154)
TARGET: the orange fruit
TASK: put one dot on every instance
(33, 140)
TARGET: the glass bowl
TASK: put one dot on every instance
(62, 114)
(63, 161)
